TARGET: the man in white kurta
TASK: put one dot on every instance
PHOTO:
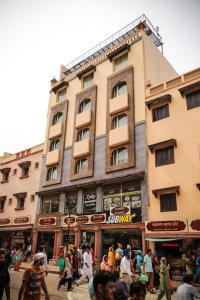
(87, 265)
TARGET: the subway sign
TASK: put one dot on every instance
(122, 219)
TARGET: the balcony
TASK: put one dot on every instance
(55, 130)
(53, 157)
(118, 136)
(83, 118)
(118, 103)
(81, 148)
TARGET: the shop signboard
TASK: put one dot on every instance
(122, 219)
(84, 219)
(5, 221)
(120, 210)
(21, 220)
(47, 221)
(89, 203)
(194, 225)
(160, 226)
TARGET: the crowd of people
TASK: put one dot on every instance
(123, 274)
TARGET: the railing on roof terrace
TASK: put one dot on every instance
(114, 40)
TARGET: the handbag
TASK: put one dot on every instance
(170, 285)
(144, 277)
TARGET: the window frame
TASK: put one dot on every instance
(52, 170)
(63, 97)
(116, 89)
(57, 118)
(162, 158)
(117, 163)
(83, 106)
(121, 65)
(88, 75)
(157, 112)
(171, 205)
(117, 121)
(56, 143)
(78, 169)
(80, 134)
(192, 102)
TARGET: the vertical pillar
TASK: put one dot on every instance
(99, 199)
(97, 242)
(77, 236)
(143, 241)
(80, 202)
(58, 243)
(55, 244)
(62, 203)
(34, 241)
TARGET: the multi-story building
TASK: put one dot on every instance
(19, 182)
(93, 180)
(173, 139)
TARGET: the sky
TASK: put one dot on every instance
(37, 36)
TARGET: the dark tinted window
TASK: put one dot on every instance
(161, 112)
(164, 156)
(193, 100)
(168, 202)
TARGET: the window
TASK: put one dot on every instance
(119, 89)
(5, 177)
(161, 112)
(50, 204)
(119, 156)
(25, 171)
(10, 201)
(83, 134)
(164, 156)
(121, 62)
(61, 95)
(168, 202)
(54, 145)
(20, 202)
(89, 202)
(52, 173)
(88, 80)
(71, 204)
(36, 165)
(193, 100)
(14, 171)
(119, 121)
(85, 105)
(2, 203)
(81, 166)
(57, 118)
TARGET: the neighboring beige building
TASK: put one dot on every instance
(173, 139)
(19, 182)
(95, 147)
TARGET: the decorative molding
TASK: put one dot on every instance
(190, 88)
(168, 190)
(114, 53)
(162, 145)
(158, 101)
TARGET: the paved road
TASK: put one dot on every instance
(52, 281)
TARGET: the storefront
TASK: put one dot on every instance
(173, 239)
(16, 232)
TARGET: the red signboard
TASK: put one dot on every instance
(47, 221)
(97, 218)
(166, 226)
(21, 220)
(82, 219)
(195, 225)
(121, 210)
(68, 220)
(5, 221)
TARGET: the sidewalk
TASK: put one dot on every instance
(51, 269)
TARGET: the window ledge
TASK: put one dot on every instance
(4, 181)
(25, 176)
(167, 190)
(19, 208)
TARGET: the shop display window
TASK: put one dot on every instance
(89, 202)
(50, 204)
(71, 204)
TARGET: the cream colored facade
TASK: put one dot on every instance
(17, 216)
(181, 177)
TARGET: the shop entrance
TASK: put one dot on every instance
(46, 239)
(110, 238)
(88, 238)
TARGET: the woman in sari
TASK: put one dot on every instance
(104, 264)
(164, 280)
(111, 259)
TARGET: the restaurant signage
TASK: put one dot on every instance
(89, 203)
(175, 225)
(5, 221)
(47, 221)
(121, 219)
(84, 219)
(195, 225)
(120, 210)
(21, 220)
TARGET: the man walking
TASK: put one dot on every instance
(148, 269)
(87, 264)
(42, 250)
(125, 267)
(186, 291)
(104, 285)
(4, 276)
(33, 280)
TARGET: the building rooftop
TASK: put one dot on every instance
(114, 40)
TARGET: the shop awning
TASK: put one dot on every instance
(162, 239)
